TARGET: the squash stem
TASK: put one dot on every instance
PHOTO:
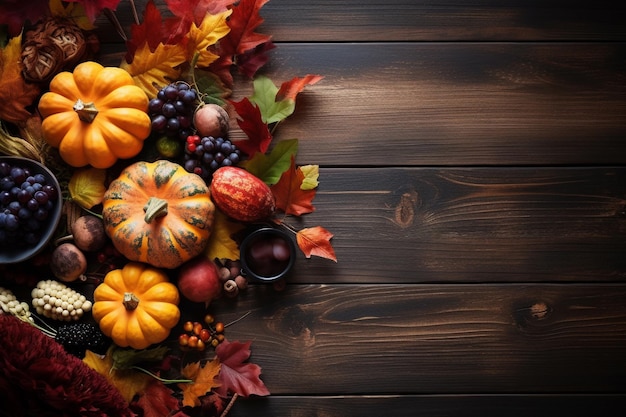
(130, 301)
(87, 112)
(154, 208)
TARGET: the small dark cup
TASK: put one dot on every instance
(267, 254)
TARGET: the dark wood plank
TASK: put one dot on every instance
(431, 406)
(445, 339)
(455, 104)
(470, 225)
(427, 20)
(448, 20)
(458, 104)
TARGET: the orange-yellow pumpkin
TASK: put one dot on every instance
(136, 306)
(95, 115)
(158, 213)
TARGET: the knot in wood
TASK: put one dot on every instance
(405, 210)
(532, 314)
(296, 323)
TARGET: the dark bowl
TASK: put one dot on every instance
(19, 253)
(267, 254)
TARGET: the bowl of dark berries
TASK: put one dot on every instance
(30, 208)
(267, 254)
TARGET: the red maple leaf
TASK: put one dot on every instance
(153, 30)
(290, 89)
(196, 10)
(250, 61)
(222, 67)
(316, 241)
(93, 8)
(290, 198)
(15, 13)
(250, 121)
(243, 22)
(157, 400)
(237, 375)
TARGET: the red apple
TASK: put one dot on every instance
(198, 280)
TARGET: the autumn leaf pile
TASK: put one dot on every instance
(209, 44)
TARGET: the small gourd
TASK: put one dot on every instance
(136, 306)
(158, 213)
(95, 115)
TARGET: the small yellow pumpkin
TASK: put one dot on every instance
(95, 115)
(158, 213)
(136, 306)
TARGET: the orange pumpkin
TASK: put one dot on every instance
(158, 213)
(136, 306)
(95, 115)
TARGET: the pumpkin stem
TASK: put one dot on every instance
(87, 112)
(130, 301)
(154, 208)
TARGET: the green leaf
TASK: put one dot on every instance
(264, 96)
(127, 358)
(269, 167)
(210, 86)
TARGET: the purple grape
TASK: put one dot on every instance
(155, 106)
(32, 204)
(18, 174)
(158, 123)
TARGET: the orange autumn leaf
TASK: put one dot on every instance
(204, 380)
(290, 89)
(14, 90)
(289, 195)
(316, 241)
(153, 70)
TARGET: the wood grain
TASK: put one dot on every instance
(454, 104)
(472, 170)
(470, 225)
(446, 339)
(430, 405)
(427, 20)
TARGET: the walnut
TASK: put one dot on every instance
(68, 37)
(50, 46)
(41, 59)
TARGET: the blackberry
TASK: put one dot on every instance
(76, 338)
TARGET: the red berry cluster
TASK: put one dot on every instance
(199, 336)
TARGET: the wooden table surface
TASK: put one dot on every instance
(473, 171)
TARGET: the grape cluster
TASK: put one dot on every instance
(171, 111)
(203, 156)
(25, 202)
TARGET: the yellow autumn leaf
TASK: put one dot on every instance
(212, 29)
(73, 11)
(204, 380)
(127, 381)
(153, 70)
(311, 174)
(15, 93)
(221, 244)
(86, 187)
